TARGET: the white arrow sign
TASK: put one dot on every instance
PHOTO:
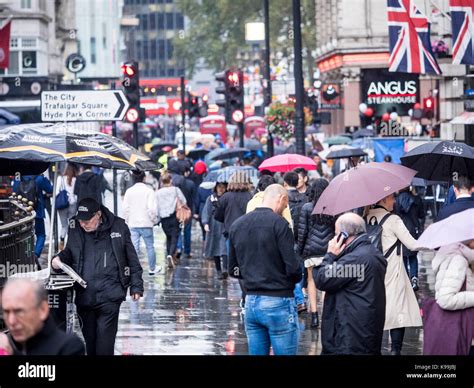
(87, 105)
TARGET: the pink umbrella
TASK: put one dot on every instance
(456, 228)
(363, 185)
(287, 162)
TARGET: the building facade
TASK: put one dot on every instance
(151, 42)
(352, 55)
(98, 36)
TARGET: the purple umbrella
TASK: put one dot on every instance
(363, 185)
(456, 228)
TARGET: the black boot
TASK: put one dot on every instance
(314, 319)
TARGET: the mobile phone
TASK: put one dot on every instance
(344, 236)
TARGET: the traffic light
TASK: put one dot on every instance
(313, 104)
(222, 89)
(235, 84)
(429, 106)
(131, 88)
(233, 90)
(193, 106)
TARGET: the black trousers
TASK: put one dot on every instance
(397, 338)
(100, 328)
(170, 226)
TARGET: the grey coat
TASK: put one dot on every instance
(215, 240)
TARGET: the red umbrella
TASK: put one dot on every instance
(363, 185)
(287, 162)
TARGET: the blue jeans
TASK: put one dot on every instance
(147, 234)
(412, 262)
(187, 239)
(271, 320)
(40, 233)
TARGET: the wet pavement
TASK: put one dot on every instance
(188, 311)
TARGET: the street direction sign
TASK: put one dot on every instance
(84, 105)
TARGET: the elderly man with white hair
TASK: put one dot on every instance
(352, 273)
(262, 255)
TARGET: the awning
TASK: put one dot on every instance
(466, 118)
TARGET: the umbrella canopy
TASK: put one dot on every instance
(336, 140)
(163, 144)
(419, 182)
(364, 132)
(23, 167)
(224, 174)
(253, 145)
(287, 162)
(363, 185)
(231, 153)
(346, 153)
(456, 228)
(439, 161)
(51, 143)
(198, 153)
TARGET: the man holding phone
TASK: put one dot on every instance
(352, 274)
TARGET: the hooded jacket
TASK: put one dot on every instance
(452, 267)
(88, 185)
(105, 259)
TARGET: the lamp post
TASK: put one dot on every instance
(299, 85)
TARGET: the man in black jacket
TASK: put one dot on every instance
(31, 330)
(352, 274)
(100, 250)
(262, 255)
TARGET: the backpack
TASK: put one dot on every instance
(27, 189)
(374, 232)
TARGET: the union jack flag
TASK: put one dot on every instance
(409, 34)
(463, 31)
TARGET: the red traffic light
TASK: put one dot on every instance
(429, 103)
(205, 98)
(128, 70)
(233, 77)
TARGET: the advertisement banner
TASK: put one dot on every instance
(393, 147)
(384, 91)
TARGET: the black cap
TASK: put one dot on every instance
(86, 208)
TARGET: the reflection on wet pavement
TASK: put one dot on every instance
(188, 311)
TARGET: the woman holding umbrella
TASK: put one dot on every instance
(402, 308)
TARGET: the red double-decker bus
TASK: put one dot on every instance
(161, 96)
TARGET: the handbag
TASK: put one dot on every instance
(447, 332)
(62, 199)
(183, 212)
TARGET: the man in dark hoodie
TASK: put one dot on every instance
(89, 185)
(100, 250)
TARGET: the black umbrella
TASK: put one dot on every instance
(364, 132)
(22, 167)
(231, 153)
(253, 145)
(419, 182)
(346, 153)
(199, 153)
(441, 161)
(52, 143)
(163, 144)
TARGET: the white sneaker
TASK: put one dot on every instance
(156, 271)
